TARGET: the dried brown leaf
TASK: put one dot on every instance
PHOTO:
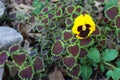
(56, 75)
(54, 1)
(24, 9)
(76, 79)
(27, 46)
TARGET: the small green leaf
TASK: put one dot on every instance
(118, 62)
(109, 54)
(109, 73)
(102, 67)
(116, 74)
(94, 54)
(109, 3)
(86, 72)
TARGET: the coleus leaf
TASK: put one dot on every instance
(102, 43)
(75, 72)
(86, 42)
(58, 12)
(57, 47)
(26, 73)
(45, 9)
(45, 20)
(70, 9)
(14, 48)
(51, 15)
(105, 20)
(52, 25)
(69, 62)
(39, 28)
(10, 69)
(41, 15)
(32, 19)
(3, 57)
(68, 21)
(112, 12)
(14, 70)
(117, 21)
(38, 64)
(19, 59)
(78, 9)
(96, 32)
(83, 53)
(37, 76)
(67, 35)
(59, 4)
(73, 16)
(73, 49)
(57, 58)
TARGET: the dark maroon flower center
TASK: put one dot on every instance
(84, 33)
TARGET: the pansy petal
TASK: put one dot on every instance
(83, 26)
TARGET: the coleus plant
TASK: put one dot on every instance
(99, 48)
(58, 45)
(21, 65)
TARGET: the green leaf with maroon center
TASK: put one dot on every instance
(14, 48)
(70, 9)
(112, 12)
(19, 58)
(38, 64)
(67, 35)
(75, 72)
(3, 57)
(69, 62)
(26, 73)
(74, 50)
(57, 47)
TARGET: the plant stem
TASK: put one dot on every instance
(109, 65)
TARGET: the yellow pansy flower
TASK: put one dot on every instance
(83, 26)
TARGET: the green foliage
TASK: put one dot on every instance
(109, 73)
(94, 55)
(102, 67)
(109, 3)
(118, 62)
(86, 72)
(115, 74)
(56, 45)
(109, 54)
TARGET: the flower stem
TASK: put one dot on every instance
(108, 64)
